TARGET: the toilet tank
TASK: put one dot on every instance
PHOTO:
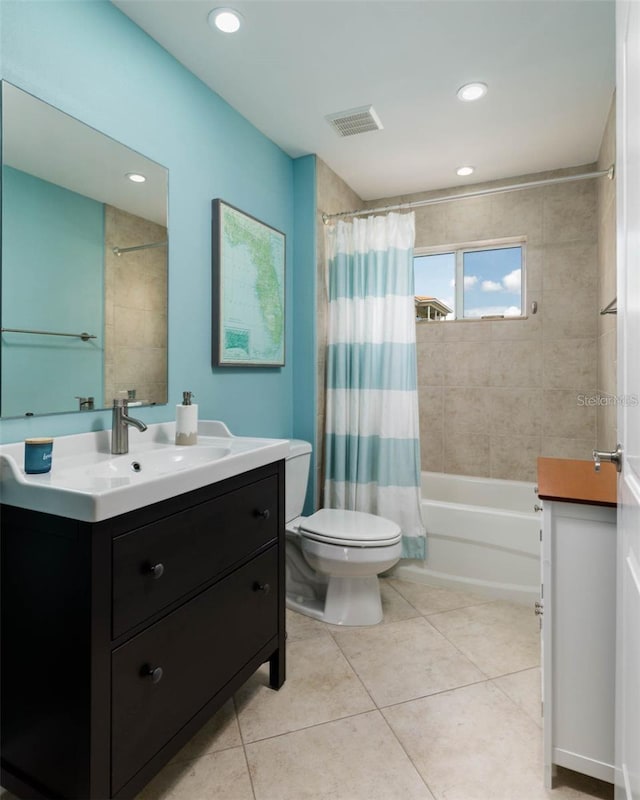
(296, 477)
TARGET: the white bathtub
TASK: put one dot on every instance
(483, 536)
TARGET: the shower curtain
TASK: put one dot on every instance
(372, 444)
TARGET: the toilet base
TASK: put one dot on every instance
(353, 601)
(318, 587)
(348, 601)
(308, 607)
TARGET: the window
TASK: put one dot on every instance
(482, 281)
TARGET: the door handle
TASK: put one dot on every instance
(614, 456)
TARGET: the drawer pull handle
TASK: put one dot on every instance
(263, 514)
(156, 570)
(155, 673)
(261, 587)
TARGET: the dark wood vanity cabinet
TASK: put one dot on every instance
(121, 638)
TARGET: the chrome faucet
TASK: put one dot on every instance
(120, 426)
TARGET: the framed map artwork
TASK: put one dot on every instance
(248, 259)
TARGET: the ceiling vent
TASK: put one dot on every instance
(355, 120)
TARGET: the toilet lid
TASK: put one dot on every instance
(350, 528)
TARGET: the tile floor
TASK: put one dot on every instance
(440, 701)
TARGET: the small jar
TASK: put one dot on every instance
(37, 455)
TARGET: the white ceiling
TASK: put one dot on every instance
(549, 65)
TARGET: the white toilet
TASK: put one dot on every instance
(334, 557)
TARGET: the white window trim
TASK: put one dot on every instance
(465, 247)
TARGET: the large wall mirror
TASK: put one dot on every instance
(83, 315)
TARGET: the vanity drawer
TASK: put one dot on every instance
(199, 648)
(155, 565)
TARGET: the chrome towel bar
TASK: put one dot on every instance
(84, 336)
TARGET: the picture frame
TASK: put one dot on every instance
(248, 281)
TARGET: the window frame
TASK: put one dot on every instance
(458, 250)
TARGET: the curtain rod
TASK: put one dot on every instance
(479, 193)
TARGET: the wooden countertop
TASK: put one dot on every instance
(572, 481)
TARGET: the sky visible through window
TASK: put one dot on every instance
(492, 281)
(435, 276)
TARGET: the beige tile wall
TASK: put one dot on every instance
(332, 196)
(135, 309)
(496, 395)
(607, 343)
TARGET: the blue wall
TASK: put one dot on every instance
(91, 61)
(52, 280)
(305, 366)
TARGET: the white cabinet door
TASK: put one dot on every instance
(579, 569)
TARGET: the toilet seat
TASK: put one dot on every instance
(350, 528)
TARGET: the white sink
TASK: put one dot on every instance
(148, 464)
(87, 483)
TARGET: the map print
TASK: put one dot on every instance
(252, 256)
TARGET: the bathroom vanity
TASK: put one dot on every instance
(578, 604)
(122, 636)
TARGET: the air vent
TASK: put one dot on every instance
(355, 120)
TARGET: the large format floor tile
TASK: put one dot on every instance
(220, 733)
(434, 599)
(474, 743)
(524, 688)
(358, 758)
(299, 626)
(444, 729)
(320, 686)
(499, 637)
(217, 776)
(404, 660)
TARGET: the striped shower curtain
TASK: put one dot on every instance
(372, 445)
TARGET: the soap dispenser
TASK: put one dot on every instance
(187, 420)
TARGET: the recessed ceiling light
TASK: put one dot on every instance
(225, 19)
(135, 177)
(472, 91)
(463, 171)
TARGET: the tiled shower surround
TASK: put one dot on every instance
(135, 309)
(495, 395)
